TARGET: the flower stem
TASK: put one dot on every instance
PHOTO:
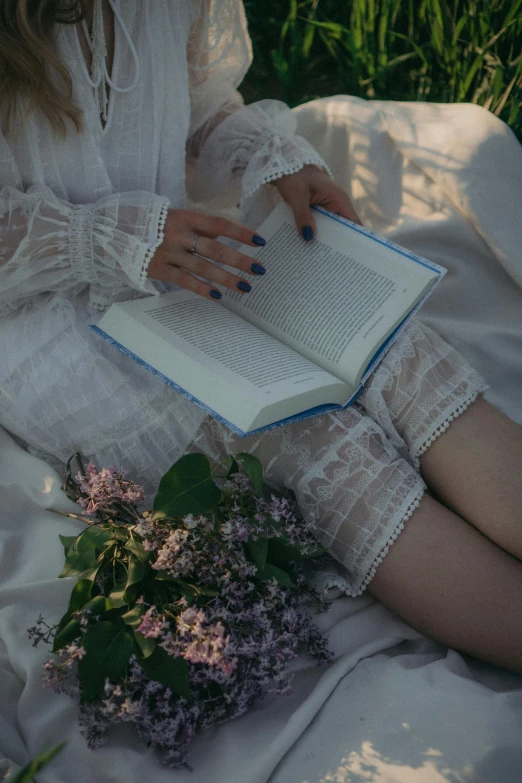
(87, 520)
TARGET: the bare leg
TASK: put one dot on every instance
(452, 583)
(475, 468)
(442, 575)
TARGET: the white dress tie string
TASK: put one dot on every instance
(99, 78)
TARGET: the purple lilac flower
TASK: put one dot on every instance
(153, 625)
(237, 641)
(104, 487)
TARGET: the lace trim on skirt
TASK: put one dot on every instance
(414, 504)
(420, 447)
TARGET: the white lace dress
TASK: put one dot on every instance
(80, 220)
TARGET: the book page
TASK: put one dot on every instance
(332, 299)
(233, 347)
(214, 355)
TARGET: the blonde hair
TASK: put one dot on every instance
(27, 60)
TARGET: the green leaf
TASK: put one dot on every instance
(171, 672)
(81, 593)
(146, 645)
(233, 467)
(134, 615)
(63, 621)
(333, 27)
(116, 596)
(78, 562)
(70, 632)
(67, 542)
(253, 469)
(206, 591)
(92, 538)
(413, 44)
(164, 576)
(258, 551)
(99, 604)
(137, 549)
(92, 572)
(281, 553)
(308, 40)
(107, 653)
(191, 589)
(27, 773)
(137, 570)
(120, 534)
(132, 593)
(466, 82)
(162, 591)
(273, 572)
(187, 488)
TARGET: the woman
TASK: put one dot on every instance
(101, 103)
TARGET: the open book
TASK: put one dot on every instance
(303, 341)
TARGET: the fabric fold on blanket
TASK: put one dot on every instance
(441, 141)
(445, 181)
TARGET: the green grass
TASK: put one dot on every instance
(427, 50)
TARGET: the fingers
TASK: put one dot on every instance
(174, 262)
(217, 251)
(186, 268)
(312, 186)
(298, 198)
(211, 226)
(345, 208)
(190, 283)
(196, 265)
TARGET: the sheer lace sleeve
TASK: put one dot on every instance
(48, 244)
(237, 148)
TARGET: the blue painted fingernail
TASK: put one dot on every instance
(244, 286)
(215, 294)
(257, 269)
(257, 240)
(307, 232)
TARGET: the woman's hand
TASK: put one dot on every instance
(313, 186)
(174, 261)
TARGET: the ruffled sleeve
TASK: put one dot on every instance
(48, 244)
(237, 148)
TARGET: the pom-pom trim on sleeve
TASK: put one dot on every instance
(279, 157)
(151, 249)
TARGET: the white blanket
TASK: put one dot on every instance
(394, 707)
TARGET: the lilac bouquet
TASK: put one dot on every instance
(182, 615)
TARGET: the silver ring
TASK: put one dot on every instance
(193, 248)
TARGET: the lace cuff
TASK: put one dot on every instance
(253, 146)
(113, 241)
(50, 245)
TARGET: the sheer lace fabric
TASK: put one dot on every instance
(88, 212)
(251, 147)
(409, 395)
(238, 148)
(47, 243)
(347, 477)
(75, 392)
(79, 221)
(355, 472)
(82, 217)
